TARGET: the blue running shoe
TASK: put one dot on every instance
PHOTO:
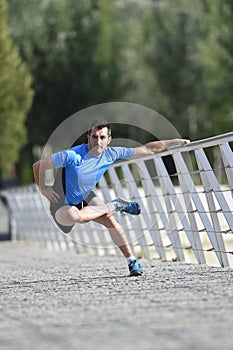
(135, 268)
(124, 206)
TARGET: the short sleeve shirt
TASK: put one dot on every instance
(83, 170)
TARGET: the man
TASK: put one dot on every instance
(83, 166)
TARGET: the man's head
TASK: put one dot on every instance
(99, 136)
(99, 124)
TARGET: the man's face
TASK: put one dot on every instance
(98, 140)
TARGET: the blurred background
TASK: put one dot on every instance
(58, 57)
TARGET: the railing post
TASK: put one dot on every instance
(153, 201)
(212, 189)
(188, 188)
(227, 157)
(168, 193)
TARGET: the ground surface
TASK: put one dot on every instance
(61, 300)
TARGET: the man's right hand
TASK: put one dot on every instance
(39, 169)
(50, 194)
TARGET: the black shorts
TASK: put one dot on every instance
(55, 206)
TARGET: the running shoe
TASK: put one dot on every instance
(135, 268)
(124, 206)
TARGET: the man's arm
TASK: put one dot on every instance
(39, 169)
(157, 146)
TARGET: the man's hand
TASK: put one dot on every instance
(185, 142)
(181, 142)
(50, 194)
(155, 147)
(39, 169)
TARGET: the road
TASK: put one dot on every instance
(61, 300)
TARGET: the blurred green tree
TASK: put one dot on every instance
(15, 97)
(74, 55)
(216, 57)
(189, 52)
(172, 56)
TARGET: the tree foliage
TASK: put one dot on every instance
(15, 95)
(73, 55)
(216, 57)
(190, 56)
(173, 56)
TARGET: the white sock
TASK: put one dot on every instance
(130, 258)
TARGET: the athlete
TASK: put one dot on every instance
(72, 199)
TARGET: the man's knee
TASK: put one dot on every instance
(69, 216)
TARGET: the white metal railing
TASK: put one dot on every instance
(187, 214)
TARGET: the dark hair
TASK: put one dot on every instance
(99, 124)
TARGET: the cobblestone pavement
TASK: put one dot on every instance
(61, 300)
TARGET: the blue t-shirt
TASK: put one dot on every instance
(83, 170)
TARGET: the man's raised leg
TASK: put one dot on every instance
(69, 215)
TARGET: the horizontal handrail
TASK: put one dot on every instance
(192, 146)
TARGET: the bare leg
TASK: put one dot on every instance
(97, 211)
(115, 229)
(70, 215)
(116, 233)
